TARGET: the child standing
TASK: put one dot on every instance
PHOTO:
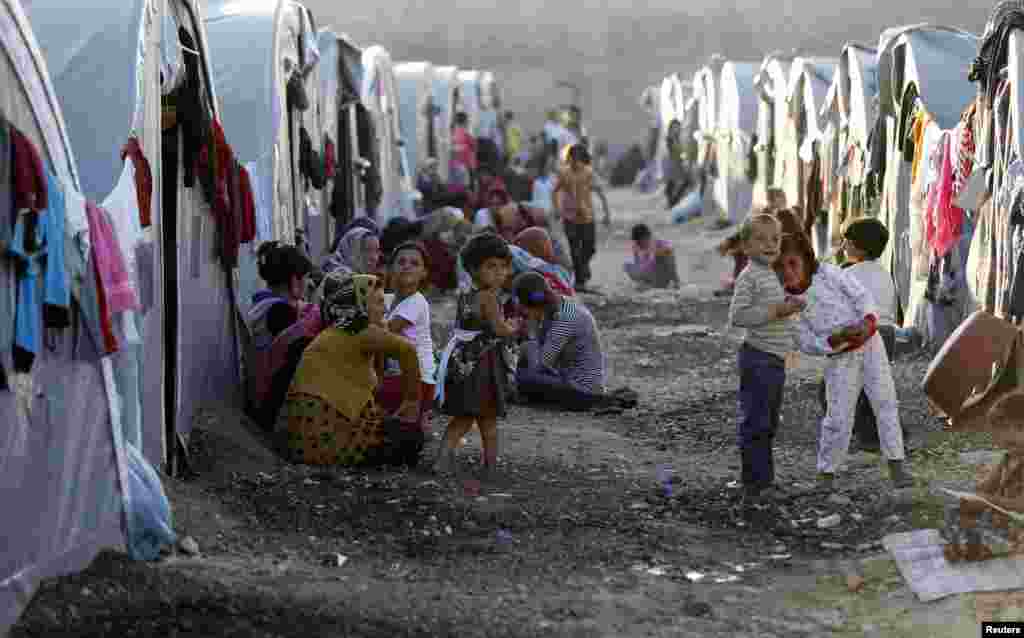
(840, 322)
(732, 246)
(475, 366)
(577, 186)
(760, 305)
(408, 315)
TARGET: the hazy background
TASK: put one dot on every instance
(613, 49)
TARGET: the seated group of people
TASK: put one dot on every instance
(351, 376)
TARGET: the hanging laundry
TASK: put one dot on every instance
(192, 115)
(310, 163)
(122, 207)
(917, 131)
(113, 275)
(28, 175)
(330, 163)
(56, 295)
(143, 179)
(248, 205)
(28, 250)
(946, 219)
(7, 210)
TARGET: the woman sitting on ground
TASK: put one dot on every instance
(277, 317)
(356, 253)
(330, 415)
(654, 261)
(562, 361)
(541, 255)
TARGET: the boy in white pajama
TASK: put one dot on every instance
(840, 322)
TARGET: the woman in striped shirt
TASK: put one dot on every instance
(564, 361)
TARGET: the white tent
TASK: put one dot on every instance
(930, 63)
(736, 126)
(706, 85)
(809, 81)
(415, 81)
(73, 458)
(380, 95)
(446, 99)
(256, 47)
(847, 116)
(470, 101)
(771, 85)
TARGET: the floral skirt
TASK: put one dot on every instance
(318, 434)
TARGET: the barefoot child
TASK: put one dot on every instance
(408, 315)
(840, 322)
(760, 305)
(474, 374)
(576, 185)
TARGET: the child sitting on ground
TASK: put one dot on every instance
(473, 379)
(654, 261)
(760, 305)
(840, 322)
(732, 246)
(408, 315)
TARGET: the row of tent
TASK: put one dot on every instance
(836, 135)
(79, 80)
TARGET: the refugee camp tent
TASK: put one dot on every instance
(736, 128)
(848, 117)
(490, 109)
(65, 452)
(666, 104)
(446, 99)
(809, 81)
(177, 366)
(415, 81)
(707, 83)
(470, 101)
(925, 67)
(771, 85)
(256, 48)
(379, 94)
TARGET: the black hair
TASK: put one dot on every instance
(579, 153)
(398, 231)
(641, 232)
(278, 263)
(461, 119)
(482, 247)
(532, 290)
(868, 234)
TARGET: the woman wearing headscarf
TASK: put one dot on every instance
(562, 361)
(542, 257)
(357, 253)
(330, 415)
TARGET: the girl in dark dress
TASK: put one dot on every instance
(475, 367)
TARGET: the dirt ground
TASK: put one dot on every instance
(620, 525)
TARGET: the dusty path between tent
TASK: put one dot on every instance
(622, 525)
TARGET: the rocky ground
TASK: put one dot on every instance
(618, 525)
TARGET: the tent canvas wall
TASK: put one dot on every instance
(446, 96)
(331, 114)
(771, 84)
(849, 113)
(380, 96)
(736, 125)
(415, 81)
(930, 62)
(469, 98)
(809, 82)
(707, 82)
(177, 366)
(255, 48)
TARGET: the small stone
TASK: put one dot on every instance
(86, 592)
(829, 521)
(857, 516)
(189, 546)
(697, 609)
(895, 518)
(833, 546)
(839, 499)
(779, 549)
(854, 583)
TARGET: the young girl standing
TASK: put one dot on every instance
(840, 322)
(475, 370)
(760, 305)
(408, 315)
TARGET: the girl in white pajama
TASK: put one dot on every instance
(839, 322)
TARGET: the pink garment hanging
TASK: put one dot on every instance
(944, 220)
(106, 253)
